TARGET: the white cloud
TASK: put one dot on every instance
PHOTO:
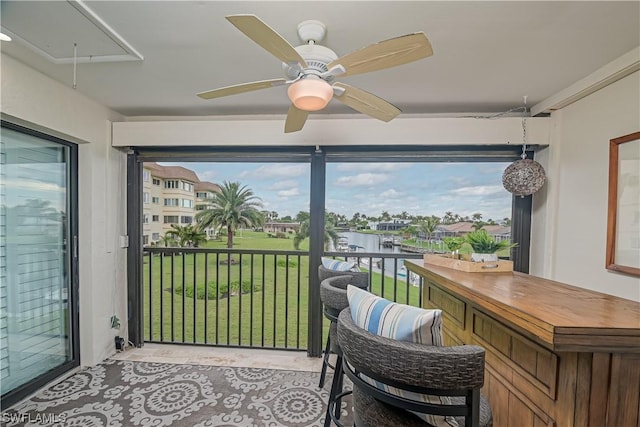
(33, 185)
(209, 175)
(361, 180)
(461, 180)
(479, 190)
(276, 170)
(289, 193)
(489, 169)
(283, 185)
(391, 194)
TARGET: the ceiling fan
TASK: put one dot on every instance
(312, 68)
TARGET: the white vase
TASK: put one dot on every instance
(484, 257)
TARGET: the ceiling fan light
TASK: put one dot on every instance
(310, 94)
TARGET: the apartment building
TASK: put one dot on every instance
(170, 196)
(204, 191)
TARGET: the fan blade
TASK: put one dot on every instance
(296, 119)
(245, 87)
(267, 38)
(385, 54)
(366, 103)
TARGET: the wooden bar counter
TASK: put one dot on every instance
(556, 355)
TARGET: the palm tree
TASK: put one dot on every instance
(194, 236)
(232, 207)
(428, 226)
(302, 216)
(330, 234)
(478, 223)
(186, 235)
(167, 240)
(303, 233)
(448, 218)
(412, 230)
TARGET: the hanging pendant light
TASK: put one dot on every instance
(525, 176)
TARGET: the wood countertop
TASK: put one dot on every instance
(560, 317)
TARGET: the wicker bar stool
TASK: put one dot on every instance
(334, 298)
(452, 373)
(359, 279)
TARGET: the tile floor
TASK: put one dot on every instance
(220, 356)
(216, 356)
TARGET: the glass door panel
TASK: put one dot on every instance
(35, 263)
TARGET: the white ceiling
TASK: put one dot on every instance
(487, 55)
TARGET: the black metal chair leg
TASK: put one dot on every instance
(340, 377)
(325, 362)
(336, 388)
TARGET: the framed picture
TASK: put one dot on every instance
(623, 224)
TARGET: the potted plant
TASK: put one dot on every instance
(485, 247)
(454, 244)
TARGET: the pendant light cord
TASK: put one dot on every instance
(524, 130)
(75, 65)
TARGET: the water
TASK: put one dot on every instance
(369, 242)
(373, 243)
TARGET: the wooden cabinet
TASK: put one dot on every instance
(556, 355)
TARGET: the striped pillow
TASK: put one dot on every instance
(404, 323)
(336, 265)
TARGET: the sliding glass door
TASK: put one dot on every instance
(37, 243)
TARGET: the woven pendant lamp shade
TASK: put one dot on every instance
(523, 177)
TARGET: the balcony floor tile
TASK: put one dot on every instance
(221, 356)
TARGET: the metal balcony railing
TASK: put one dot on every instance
(248, 298)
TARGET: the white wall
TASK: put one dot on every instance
(34, 100)
(328, 130)
(570, 215)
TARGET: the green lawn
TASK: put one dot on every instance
(273, 313)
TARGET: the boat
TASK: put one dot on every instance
(387, 242)
(342, 245)
(402, 271)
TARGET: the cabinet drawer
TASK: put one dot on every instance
(531, 360)
(452, 308)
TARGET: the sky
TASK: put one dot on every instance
(371, 188)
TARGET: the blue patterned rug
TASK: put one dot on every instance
(120, 393)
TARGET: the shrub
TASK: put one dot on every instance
(222, 289)
(283, 263)
(246, 287)
(201, 292)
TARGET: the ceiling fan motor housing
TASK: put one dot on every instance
(317, 57)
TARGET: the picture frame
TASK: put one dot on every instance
(623, 222)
